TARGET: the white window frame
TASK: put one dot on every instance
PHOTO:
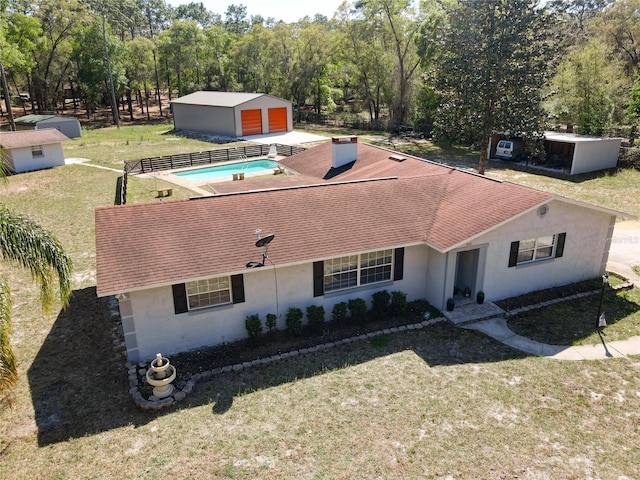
(209, 292)
(351, 271)
(537, 249)
(37, 151)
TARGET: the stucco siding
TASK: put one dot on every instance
(157, 329)
(22, 159)
(199, 118)
(435, 279)
(587, 236)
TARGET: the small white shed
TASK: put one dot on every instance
(232, 114)
(70, 126)
(581, 153)
(28, 150)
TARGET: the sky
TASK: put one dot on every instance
(287, 10)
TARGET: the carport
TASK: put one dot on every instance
(575, 154)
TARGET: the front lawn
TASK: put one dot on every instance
(573, 322)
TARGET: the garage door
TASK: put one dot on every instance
(251, 122)
(277, 120)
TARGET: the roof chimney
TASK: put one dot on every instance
(343, 150)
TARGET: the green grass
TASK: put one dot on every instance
(574, 322)
(111, 146)
(434, 403)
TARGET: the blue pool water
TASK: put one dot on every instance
(226, 171)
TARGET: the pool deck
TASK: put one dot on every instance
(263, 182)
(209, 187)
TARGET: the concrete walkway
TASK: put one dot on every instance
(497, 328)
(489, 319)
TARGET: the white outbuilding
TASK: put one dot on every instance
(28, 150)
(581, 153)
(232, 114)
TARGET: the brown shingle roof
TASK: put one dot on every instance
(372, 162)
(28, 138)
(161, 243)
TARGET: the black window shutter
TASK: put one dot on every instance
(318, 279)
(237, 288)
(513, 254)
(398, 264)
(560, 245)
(180, 298)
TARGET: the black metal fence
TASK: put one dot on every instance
(169, 162)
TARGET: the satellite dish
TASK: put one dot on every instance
(265, 240)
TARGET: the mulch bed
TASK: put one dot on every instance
(281, 341)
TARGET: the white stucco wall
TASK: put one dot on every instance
(152, 327)
(588, 236)
(594, 155)
(200, 118)
(22, 160)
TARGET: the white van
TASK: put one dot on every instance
(512, 149)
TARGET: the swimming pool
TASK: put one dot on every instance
(219, 172)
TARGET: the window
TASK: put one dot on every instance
(36, 151)
(205, 293)
(536, 249)
(354, 270)
(340, 273)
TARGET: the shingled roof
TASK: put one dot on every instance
(153, 244)
(28, 138)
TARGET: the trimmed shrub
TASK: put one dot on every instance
(398, 305)
(339, 312)
(294, 320)
(315, 316)
(272, 322)
(380, 304)
(254, 327)
(357, 310)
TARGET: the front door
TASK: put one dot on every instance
(466, 280)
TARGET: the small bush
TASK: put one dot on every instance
(254, 327)
(272, 322)
(358, 310)
(398, 303)
(294, 321)
(315, 316)
(339, 312)
(380, 304)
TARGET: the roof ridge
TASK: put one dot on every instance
(298, 187)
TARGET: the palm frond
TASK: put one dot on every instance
(8, 368)
(33, 247)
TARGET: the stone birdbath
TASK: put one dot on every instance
(160, 374)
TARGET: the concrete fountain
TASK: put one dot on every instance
(160, 375)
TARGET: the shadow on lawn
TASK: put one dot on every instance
(441, 344)
(79, 384)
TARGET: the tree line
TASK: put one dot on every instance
(464, 68)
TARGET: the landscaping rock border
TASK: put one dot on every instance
(137, 372)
